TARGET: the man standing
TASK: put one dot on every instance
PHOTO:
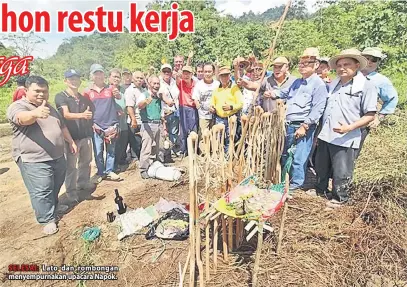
(187, 107)
(351, 105)
(134, 120)
(202, 97)
(226, 101)
(126, 78)
(20, 91)
(38, 150)
(178, 64)
(77, 113)
(199, 72)
(279, 79)
(306, 100)
(149, 104)
(105, 123)
(387, 93)
(323, 70)
(123, 139)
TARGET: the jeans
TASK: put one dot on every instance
(135, 141)
(188, 122)
(300, 158)
(78, 166)
(336, 162)
(172, 125)
(43, 181)
(99, 148)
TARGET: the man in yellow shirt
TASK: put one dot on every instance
(226, 101)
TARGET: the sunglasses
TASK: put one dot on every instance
(372, 59)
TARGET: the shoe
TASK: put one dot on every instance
(88, 186)
(62, 208)
(144, 175)
(311, 192)
(96, 179)
(50, 228)
(333, 203)
(113, 176)
(73, 197)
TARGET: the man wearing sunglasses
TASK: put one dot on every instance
(387, 93)
(305, 100)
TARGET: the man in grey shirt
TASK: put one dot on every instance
(38, 149)
(351, 106)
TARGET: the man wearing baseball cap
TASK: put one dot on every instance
(305, 100)
(126, 78)
(105, 123)
(77, 112)
(387, 93)
(351, 106)
(169, 87)
(279, 79)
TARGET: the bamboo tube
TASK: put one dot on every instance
(224, 238)
(258, 253)
(215, 244)
(232, 133)
(230, 234)
(207, 143)
(238, 231)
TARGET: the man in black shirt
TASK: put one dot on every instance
(77, 112)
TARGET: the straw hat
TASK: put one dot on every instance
(280, 61)
(349, 53)
(243, 61)
(187, 69)
(224, 71)
(310, 52)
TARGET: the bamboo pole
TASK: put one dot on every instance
(207, 145)
(224, 238)
(258, 254)
(215, 244)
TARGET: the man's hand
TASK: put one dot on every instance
(300, 132)
(269, 94)
(149, 100)
(42, 112)
(73, 147)
(212, 110)
(116, 93)
(375, 123)
(236, 62)
(226, 107)
(87, 115)
(170, 103)
(191, 54)
(134, 123)
(197, 104)
(342, 129)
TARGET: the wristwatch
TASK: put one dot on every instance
(306, 127)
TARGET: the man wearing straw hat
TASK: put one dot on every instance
(305, 100)
(387, 93)
(352, 101)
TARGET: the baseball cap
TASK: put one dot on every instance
(280, 61)
(71, 73)
(126, 71)
(166, 66)
(96, 68)
(187, 69)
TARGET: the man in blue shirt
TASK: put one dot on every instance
(387, 93)
(352, 101)
(305, 100)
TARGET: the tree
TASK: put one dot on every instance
(24, 44)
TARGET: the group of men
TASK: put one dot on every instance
(136, 117)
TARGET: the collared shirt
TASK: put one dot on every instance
(131, 94)
(347, 104)
(227, 96)
(152, 111)
(185, 94)
(387, 92)
(172, 92)
(306, 99)
(270, 83)
(39, 142)
(105, 106)
(79, 128)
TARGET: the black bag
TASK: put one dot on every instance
(175, 232)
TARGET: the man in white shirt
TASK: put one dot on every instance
(202, 97)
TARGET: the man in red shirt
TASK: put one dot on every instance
(20, 91)
(188, 114)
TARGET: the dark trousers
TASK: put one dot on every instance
(188, 120)
(121, 147)
(135, 141)
(365, 132)
(336, 162)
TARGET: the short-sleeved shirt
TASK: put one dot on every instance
(203, 94)
(270, 83)
(151, 112)
(18, 93)
(105, 114)
(39, 142)
(79, 128)
(121, 106)
(347, 104)
(185, 94)
(306, 99)
(172, 92)
(131, 94)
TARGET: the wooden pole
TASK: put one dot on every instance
(215, 244)
(258, 254)
(224, 238)
(281, 231)
(207, 145)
